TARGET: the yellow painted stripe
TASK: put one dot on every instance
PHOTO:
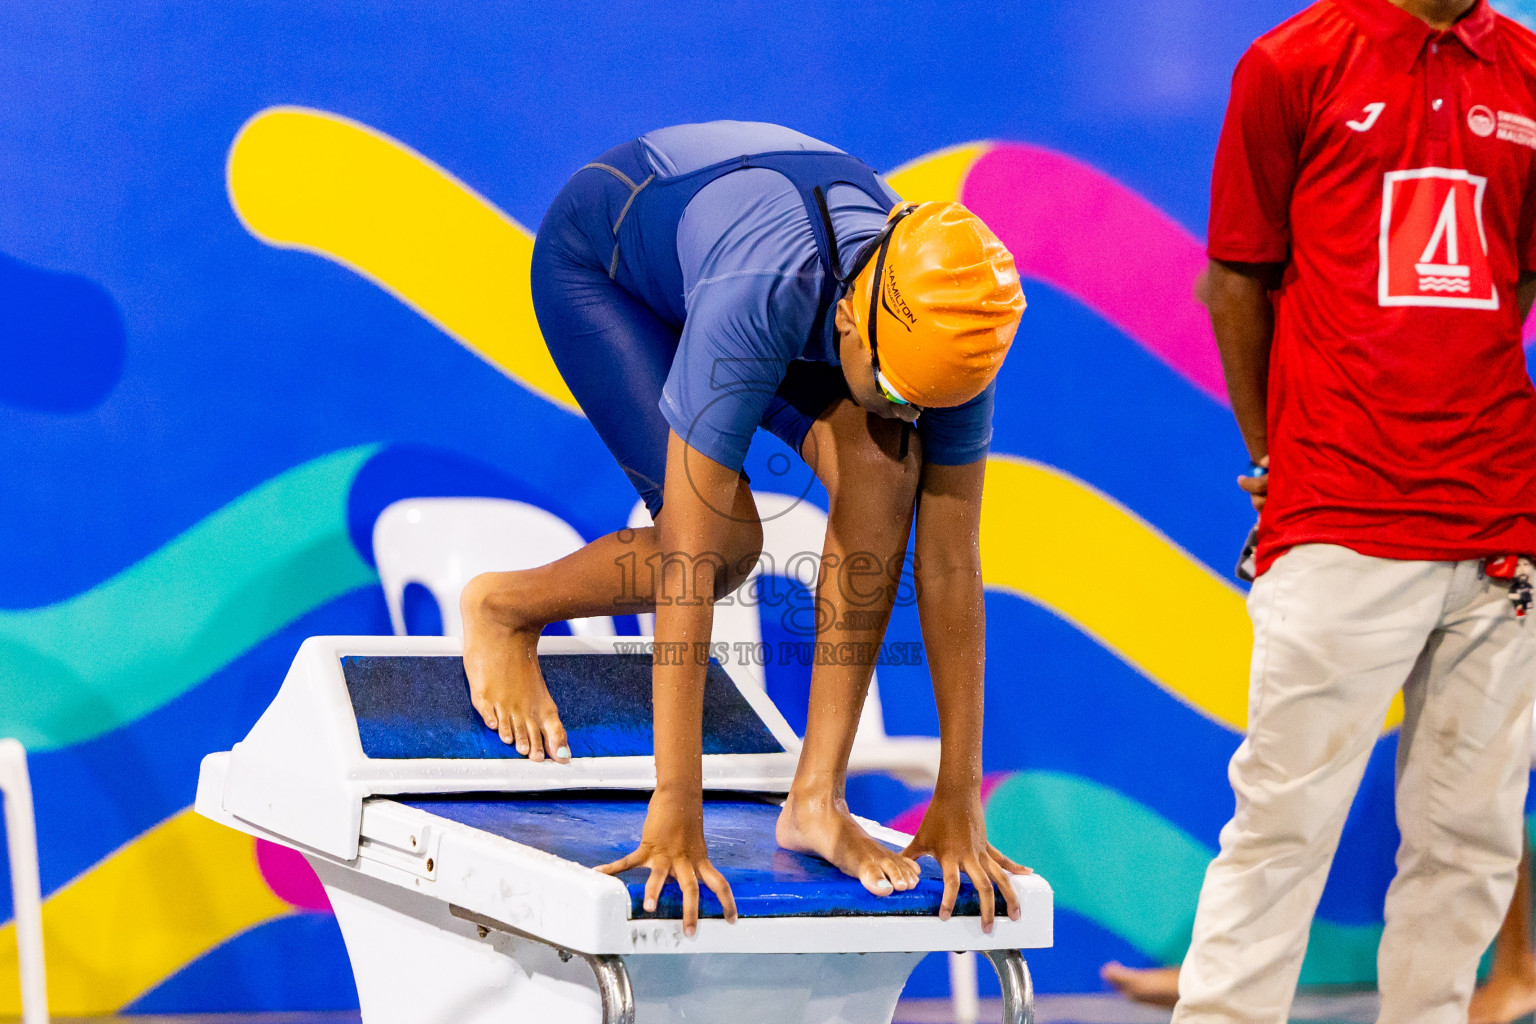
(318, 182)
(315, 181)
(938, 175)
(312, 180)
(1054, 540)
(189, 885)
(157, 904)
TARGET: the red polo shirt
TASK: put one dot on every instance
(1390, 167)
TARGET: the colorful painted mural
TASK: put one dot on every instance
(263, 271)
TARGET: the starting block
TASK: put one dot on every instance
(461, 872)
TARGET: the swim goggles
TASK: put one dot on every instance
(875, 249)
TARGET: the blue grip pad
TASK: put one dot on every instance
(766, 881)
(412, 707)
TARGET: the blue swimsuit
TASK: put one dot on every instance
(681, 283)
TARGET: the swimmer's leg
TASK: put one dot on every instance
(872, 489)
(504, 613)
(614, 353)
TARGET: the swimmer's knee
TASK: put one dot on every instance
(489, 593)
(479, 587)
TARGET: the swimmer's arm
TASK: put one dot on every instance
(691, 537)
(691, 533)
(952, 611)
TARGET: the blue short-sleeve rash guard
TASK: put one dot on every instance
(752, 282)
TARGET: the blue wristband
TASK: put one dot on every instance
(1255, 470)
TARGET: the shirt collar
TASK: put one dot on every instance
(1403, 36)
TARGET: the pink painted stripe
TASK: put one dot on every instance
(290, 877)
(1081, 231)
(908, 820)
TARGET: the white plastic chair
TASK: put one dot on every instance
(26, 887)
(794, 533)
(443, 543)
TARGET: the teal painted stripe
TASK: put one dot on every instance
(82, 667)
(1340, 954)
(1128, 869)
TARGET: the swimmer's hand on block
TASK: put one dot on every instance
(955, 835)
(672, 846)
(709, 529)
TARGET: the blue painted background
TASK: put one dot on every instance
(156, 361)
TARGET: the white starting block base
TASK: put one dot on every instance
(416, 962)
(462, 877)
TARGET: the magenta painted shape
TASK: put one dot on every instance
(289, 875)
(1083, 232)
(908, 820)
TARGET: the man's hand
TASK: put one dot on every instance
(954, 833)
(672, 846)
(1257, 485)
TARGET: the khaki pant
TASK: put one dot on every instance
(1336, 635)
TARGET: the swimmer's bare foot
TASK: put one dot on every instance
(1154, 986)
(823, 826)
(1506, 996)
(501, 661)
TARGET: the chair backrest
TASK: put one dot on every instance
(443, 543)
(794, 533)
(26, 888)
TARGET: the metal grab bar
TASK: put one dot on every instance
(619, 997)
(1018, 989)
(613, 983)
(612, 976)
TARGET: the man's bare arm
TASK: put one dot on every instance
(1237, 295)
(1525, 292)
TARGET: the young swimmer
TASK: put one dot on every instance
(693, 285)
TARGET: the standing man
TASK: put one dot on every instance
(1371, 248)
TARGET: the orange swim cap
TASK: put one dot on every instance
(948, 306)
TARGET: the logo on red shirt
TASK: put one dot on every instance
(1434, 251)
(1481, 120)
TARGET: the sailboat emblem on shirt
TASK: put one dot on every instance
(1434, 251)
(1451, 275)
